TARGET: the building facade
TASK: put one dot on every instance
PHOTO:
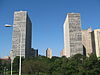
(72, 35)
(22, 33)
(49, 53)
(87, 41)
(96, 42)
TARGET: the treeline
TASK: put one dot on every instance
(76, 65)
(41, 65)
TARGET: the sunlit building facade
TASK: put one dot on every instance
(87, 41)
(21, 37)
(72, 35)
(96, 42)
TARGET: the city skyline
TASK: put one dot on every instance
(47, 20)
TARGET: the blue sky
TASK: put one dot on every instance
(47, 18)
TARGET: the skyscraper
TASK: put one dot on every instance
(96, 42)
(72, 35)
(22, 32)
(49, 53)
(87, 41)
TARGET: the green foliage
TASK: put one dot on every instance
(38, 65)
(1, 66)
(16, 63)
(75, 65)
(91, 65)
(4, 65)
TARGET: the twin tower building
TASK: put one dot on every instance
(76, 40)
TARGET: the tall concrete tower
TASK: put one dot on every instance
(72, 35)
(22, 32)
(49, 53)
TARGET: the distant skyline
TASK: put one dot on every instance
(47, 18)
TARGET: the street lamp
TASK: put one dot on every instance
(6, 25)
(20, 50)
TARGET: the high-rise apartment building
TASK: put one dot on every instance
(22, 32)
(49, 53)
(72, 35)
(96, 42)
(87, 41)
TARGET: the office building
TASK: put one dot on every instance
(72, 35)
(22, 33)
(87, 41)
(49, 53)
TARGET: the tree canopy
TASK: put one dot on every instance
(41, 65)
(76, 65)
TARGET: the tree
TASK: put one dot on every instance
(1, 66)
(36, 65)
(16, 63)
(75, 65)
(91, 65)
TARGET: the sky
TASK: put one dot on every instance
(47, 18)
